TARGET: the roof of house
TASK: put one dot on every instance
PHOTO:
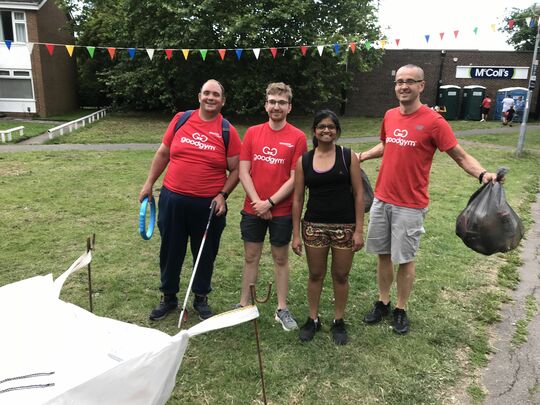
(22, 4)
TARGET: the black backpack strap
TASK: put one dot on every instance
(305, 161)
(182, 120)
(225, 130)
(346, 156)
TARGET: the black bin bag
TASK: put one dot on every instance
(488, 224)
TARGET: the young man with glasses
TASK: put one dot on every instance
(267, 163)
(410, 135)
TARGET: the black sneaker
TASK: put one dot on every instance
(168, 303)
(378, 312)
(200, 304)
(307, 331)
(401, 323)
(339, 333)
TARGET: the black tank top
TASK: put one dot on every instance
(330, 198)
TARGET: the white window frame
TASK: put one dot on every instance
(15, 22)
(12, 76)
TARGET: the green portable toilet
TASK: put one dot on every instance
(471, 102)
(449, 101)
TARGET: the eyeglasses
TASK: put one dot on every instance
(322, 127)
(281, 103)
(408, 82)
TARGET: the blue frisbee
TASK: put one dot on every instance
(147, 233)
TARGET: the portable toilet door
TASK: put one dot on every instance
(513, 92)
(472, 101)
(449, 101)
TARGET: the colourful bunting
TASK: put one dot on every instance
(91, 50)
(69, 49)
(367, 45)
(203, 53)
(150, 52)
(273, 51)
(185, 52)
(131, 52)
(256, 52)
(352, 47)
(528, 21)
(303, 49)
(336, 48)
(30, 46)
(320, 48)
(112, 52)
(239, 53)
(222, 53)
(511, 23)
(427, 38)
(456, 32)
(441, 34)
(8, 44)
(493, 27)
(168, 53)
(50, 48)
(531, 24)
(475, 30)
(397, 42)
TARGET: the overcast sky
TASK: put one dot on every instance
(411, 20)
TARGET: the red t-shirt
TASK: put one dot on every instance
(273, 154)
(198, 164)
(410, 141)
(486, 102)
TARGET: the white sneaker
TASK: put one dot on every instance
(482, 120)
(286, 319)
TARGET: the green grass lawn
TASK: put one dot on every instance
(52, 201)
(532, 138)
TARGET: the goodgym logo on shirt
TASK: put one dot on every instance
(399, 138)
(268, 156)
(198, 140)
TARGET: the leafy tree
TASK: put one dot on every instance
(216, 24)
(522, 36)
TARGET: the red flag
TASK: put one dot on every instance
(222, 53)
(511, 24)
(397, 42)
(456, 32)
(274, 52)
(352, 45)
(112, 52)
(303, 49)
(441, 34)
(168, 52)
(50, 48)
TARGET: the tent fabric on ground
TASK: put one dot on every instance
(53, 352)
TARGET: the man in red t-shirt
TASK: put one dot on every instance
(410, 135)
(197, 162)
(267, 163)
(486, 105)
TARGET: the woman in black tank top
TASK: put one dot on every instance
(334, 219)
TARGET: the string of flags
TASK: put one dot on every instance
(336, 47)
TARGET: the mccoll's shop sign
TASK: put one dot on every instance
(491, 72)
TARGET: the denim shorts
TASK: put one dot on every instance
(253, 229)
(395, 230)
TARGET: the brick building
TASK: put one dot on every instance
(373, 92)
(36, 82)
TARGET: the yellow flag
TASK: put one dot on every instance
(186, 53)
(70, 49)
(493, 26)
(383, 43)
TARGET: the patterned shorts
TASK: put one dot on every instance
(319, 235)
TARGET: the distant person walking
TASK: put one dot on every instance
(520, 107)
(486, 106)
(506, 104)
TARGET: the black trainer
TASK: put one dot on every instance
(339, 333)
(168, 303)
(401, 322)
(307, 331)
(379, 311)
(200, 304)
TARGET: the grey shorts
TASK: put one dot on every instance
(395, 231)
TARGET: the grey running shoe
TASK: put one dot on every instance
(286, 319)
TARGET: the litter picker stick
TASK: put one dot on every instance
(90, 246)
(212, 207)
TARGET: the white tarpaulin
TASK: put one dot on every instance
(53, 352)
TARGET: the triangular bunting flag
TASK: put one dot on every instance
(203, 53)
(150, 52)
(336, 48)
(29, 46)
(112, 52)
(168, 53)
(273, 51)
(383, 43)
(352, 47)
(528, 21)
(256, 52)
(493, 27)
(320, 48)
(532, 23)
(475, 30)
(185, 52)
(441, 34)
(91, 50)
(427, 38)
(50, 48)
(8, 44)
(456, 32)
(303, 49)
(367, 45)
(222, 53)
(397, 42)
(239, 53)
(511, 23)
(69, 49)
(131, 52)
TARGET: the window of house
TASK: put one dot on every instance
(13, 26)
(16, 84)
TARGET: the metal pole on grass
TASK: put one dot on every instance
(532, 84)
(89, 247)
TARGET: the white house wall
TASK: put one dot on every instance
(16, 58)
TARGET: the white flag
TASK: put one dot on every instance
(256, 52)
(150, 52)
(30, 46)
(320, 49)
